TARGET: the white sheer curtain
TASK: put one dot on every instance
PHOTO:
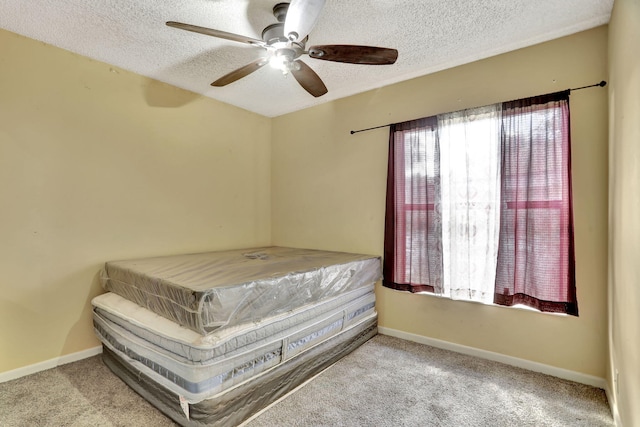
(470, 201)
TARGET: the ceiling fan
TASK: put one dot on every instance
(285, 42)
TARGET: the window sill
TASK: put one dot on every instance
(516, 306)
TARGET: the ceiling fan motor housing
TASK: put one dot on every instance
(273, 36)
(274, 33)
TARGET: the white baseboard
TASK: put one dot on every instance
(614, 407)
(48, 364)
(497, 357)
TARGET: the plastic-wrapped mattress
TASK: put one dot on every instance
(197, 367)
(239, 403)
(207, 291)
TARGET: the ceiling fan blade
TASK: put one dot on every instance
(309, 80)
(302, 16)
(216, 33)
(239, 73)
(354, 54)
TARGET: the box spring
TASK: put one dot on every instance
(240, 402)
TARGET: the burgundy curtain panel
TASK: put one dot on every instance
(413, 244)
(536, 264)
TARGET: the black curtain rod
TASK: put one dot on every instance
(601, 84)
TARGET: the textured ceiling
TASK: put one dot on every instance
(430, 35)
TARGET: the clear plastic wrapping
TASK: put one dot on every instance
(207, 291)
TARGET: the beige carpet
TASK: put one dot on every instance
(386, 382)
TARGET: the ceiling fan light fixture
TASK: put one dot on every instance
(284, 60)
(277, 62)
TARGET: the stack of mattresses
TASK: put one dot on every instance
(212, 338)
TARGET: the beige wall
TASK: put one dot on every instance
(624, 208)
(97, 163)
(329, 190)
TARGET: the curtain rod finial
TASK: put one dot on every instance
(602, 83)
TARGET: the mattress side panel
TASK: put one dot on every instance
(169, 338)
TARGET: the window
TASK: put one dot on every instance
(479, 205)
